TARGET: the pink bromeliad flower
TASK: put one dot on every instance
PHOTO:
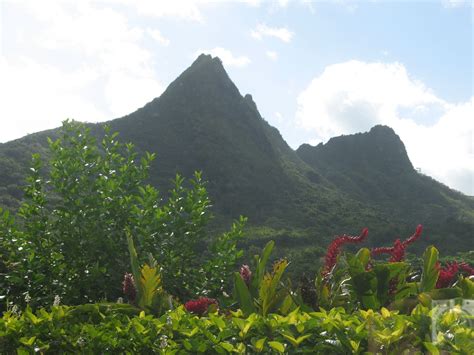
(334, 249)
(199, 306)
(128, 287)
(397, 252)
(245, 274)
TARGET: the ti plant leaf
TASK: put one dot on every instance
(242, 295)
(269, 295)
(261, 265)
(135, 264)
(430, 269)
(363, 255)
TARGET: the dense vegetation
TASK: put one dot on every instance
(138, 273)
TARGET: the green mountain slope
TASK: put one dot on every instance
(300, 199)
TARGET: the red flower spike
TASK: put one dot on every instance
(447, 275)
(466, 268)
(381, 250)
(200, 306)
(334, 249)
(397, 252)
(415, 236)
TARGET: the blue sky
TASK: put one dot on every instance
(315, 69)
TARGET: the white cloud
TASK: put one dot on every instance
(157, 36)
(92, 71)
(253, 3)
(125, 93)
(226, 56)
(457, 3)
(283, 3)
(353, 96)
(37, 97)
(272, 55)
(279, 117)
(281, 33)
(309, 4)
(183, 9)
(257, 3)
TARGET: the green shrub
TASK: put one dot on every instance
(115, 328)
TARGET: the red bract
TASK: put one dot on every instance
(245, 274)
(446, 274)
(200, 305)
(397, 252)
(415, 236)
(334, 249)
(128, 286)
(466, 268)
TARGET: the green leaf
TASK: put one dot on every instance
(248, 323)
(242, 295)
(363, 255)
(27, 341)
(365, 286)
(261, 265)
(433, 349)
(445, 293)
(430, 270)
(259, 344)
(277, 346)
(133, 257)
(268, 295)
(296, 341)
(467, 287)
(227, 346)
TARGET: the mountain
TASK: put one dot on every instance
(298, 198)
(202, 122)
(374, 167)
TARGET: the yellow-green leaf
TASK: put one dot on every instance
(27, 341)
(259, 344)
(150, 282)
(296, 342)
(385, 312)
(277, 346)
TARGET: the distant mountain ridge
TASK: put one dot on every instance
(202, 122)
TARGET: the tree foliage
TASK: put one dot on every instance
(69, 235)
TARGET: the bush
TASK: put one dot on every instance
(115, 328)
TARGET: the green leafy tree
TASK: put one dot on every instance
(69, 236)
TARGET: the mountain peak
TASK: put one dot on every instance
(207, 59)
(205, 78)
(380, 148)
(382, 130)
